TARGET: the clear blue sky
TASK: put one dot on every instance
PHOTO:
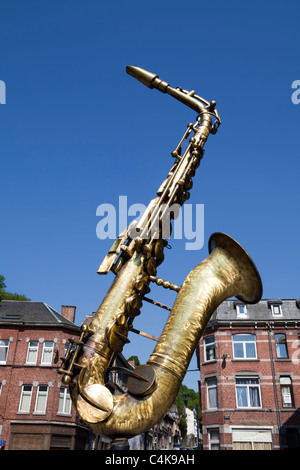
(77, 131)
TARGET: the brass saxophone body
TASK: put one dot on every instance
(227, 271)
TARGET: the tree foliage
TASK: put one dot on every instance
(5, 295)
(135, 359)
(193, 401)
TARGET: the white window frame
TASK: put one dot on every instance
(32, 349)
(40, 395)
(248, 392)
(208, 345)
(22, 396)
(213, 386)
(286, 395)
(277, 346)
(62, 400)
(274, 307)
(43, 363)
(213, 443)
(244, 342)
(5, 346)
(239, 312)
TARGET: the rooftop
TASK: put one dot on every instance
(267, 310)
(34, 313)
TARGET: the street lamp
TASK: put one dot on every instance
(185, 397)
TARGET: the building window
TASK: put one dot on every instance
(47, 353)
(247, 392)
(286, 392)
(252, 438)
(281, 346)
(4, 344)
(214, 439)
(276, 310)
(212, 393)
(25, 399)
(244, 346)
(64, 401)
(32, 352)
(41, 399)
(209, 343)
(241, 310)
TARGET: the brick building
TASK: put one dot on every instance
(249, 361)
(35, 407)
(36, 412)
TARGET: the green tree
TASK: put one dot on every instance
(193, 400)
(135, 359)
(2, 282)
(5, 295)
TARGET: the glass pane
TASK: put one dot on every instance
(47, 352)
(25, 403)
(243, 337)
(211, 382)
(68, 403)
(250, 350)
(214, 434)
(3, 349)
(246, 380)
(281, 350)
(254, 396)
(209, 340)
(238, 350)
(61, 401)
(3, 352)
(286, 396)
(241, 393)
(32, 352)
(41, 399)
(212, 398)
(212, 393)
(210, 352)
(241, 309)
(25, 398)
(32, 356)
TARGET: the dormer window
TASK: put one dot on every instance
(241, 310)
(276, 309)
(275, 306)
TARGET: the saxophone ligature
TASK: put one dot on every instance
(134, 258)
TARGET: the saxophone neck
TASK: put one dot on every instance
(204, 108)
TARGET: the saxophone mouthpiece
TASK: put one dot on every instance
(142, 75)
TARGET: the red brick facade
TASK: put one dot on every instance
(35, 411)
(250, 383)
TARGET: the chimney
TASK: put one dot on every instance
(68, 312)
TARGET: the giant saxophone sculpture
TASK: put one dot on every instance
(134, 257)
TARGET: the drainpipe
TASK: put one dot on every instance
(269, 328)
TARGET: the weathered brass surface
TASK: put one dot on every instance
(227, 271)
